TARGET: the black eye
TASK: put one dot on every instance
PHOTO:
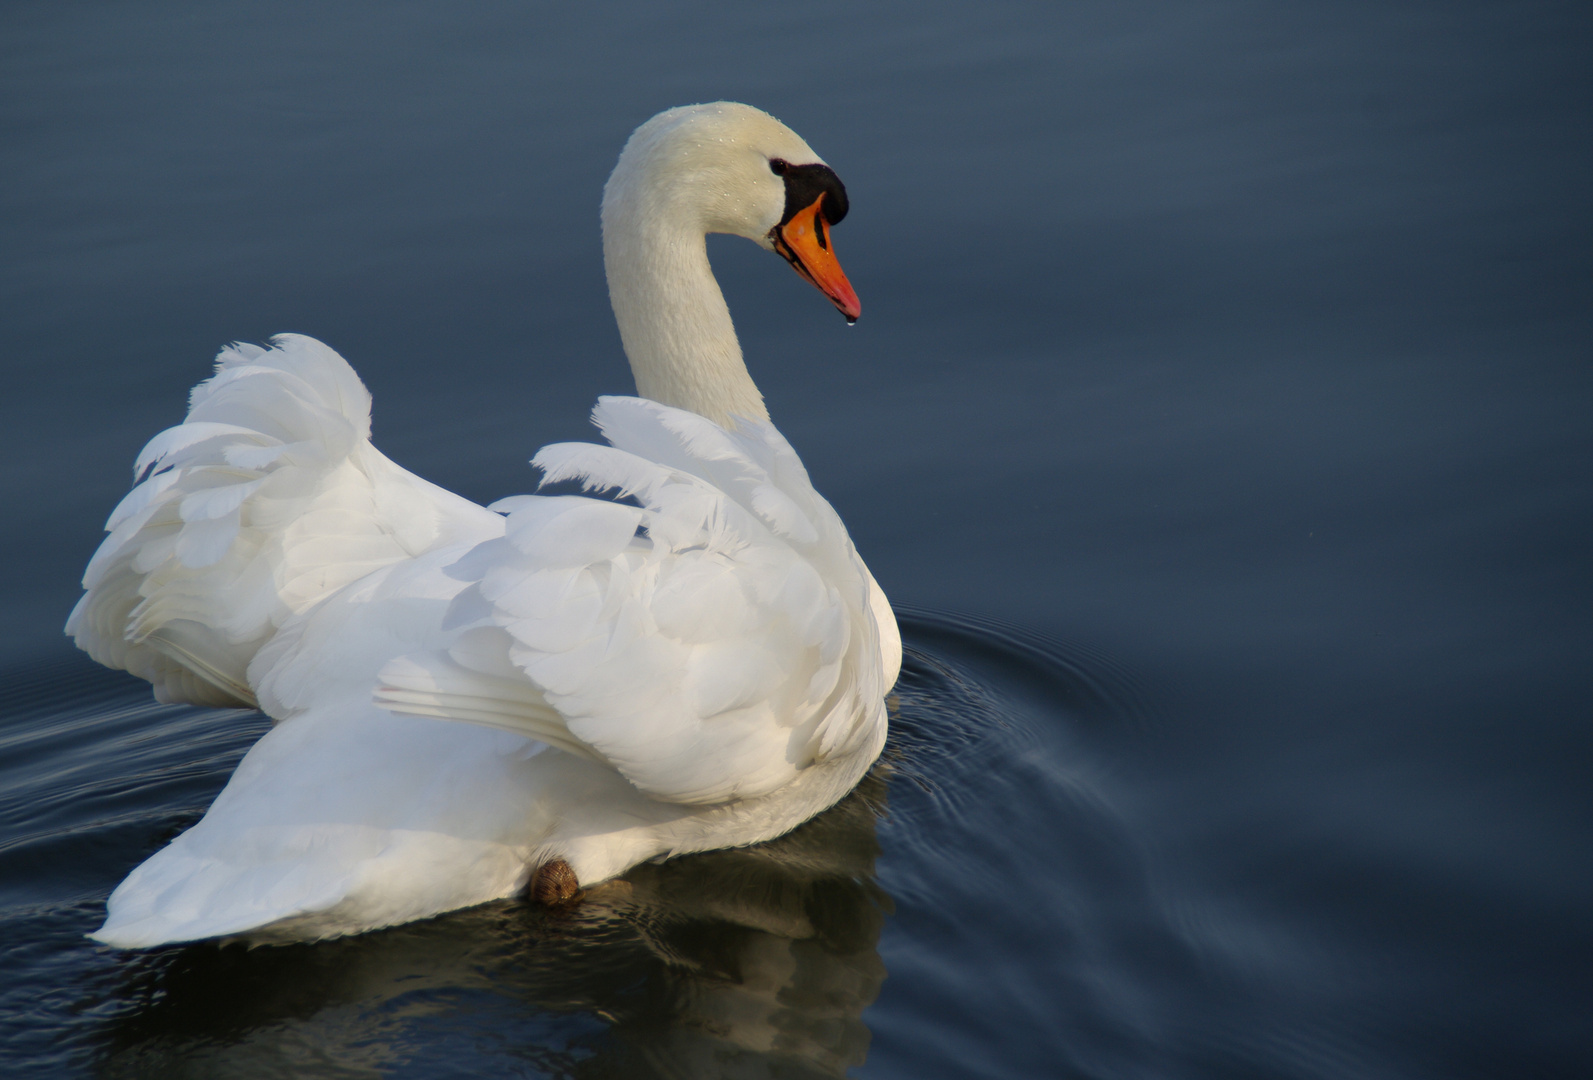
(779, 166)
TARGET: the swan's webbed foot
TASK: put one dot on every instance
(554, 884)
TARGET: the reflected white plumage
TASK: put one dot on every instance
(463, 694)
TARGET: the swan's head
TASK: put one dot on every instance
(730, 168)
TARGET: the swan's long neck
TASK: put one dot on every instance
(672, 317)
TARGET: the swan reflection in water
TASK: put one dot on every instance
(751, 962)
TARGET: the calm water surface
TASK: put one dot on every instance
(1221, 416)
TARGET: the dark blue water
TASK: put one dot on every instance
(1221, 412)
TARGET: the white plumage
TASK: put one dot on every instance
(694, 658)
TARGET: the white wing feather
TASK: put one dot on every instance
(710, 644)
(265, 500)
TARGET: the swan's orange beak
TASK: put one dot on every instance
(805, 243)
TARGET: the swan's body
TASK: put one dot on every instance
(700, 665)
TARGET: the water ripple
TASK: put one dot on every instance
(991, 872)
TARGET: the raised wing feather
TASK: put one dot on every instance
(265, 500)
(710, 642)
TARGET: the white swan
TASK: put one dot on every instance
(701, 663)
